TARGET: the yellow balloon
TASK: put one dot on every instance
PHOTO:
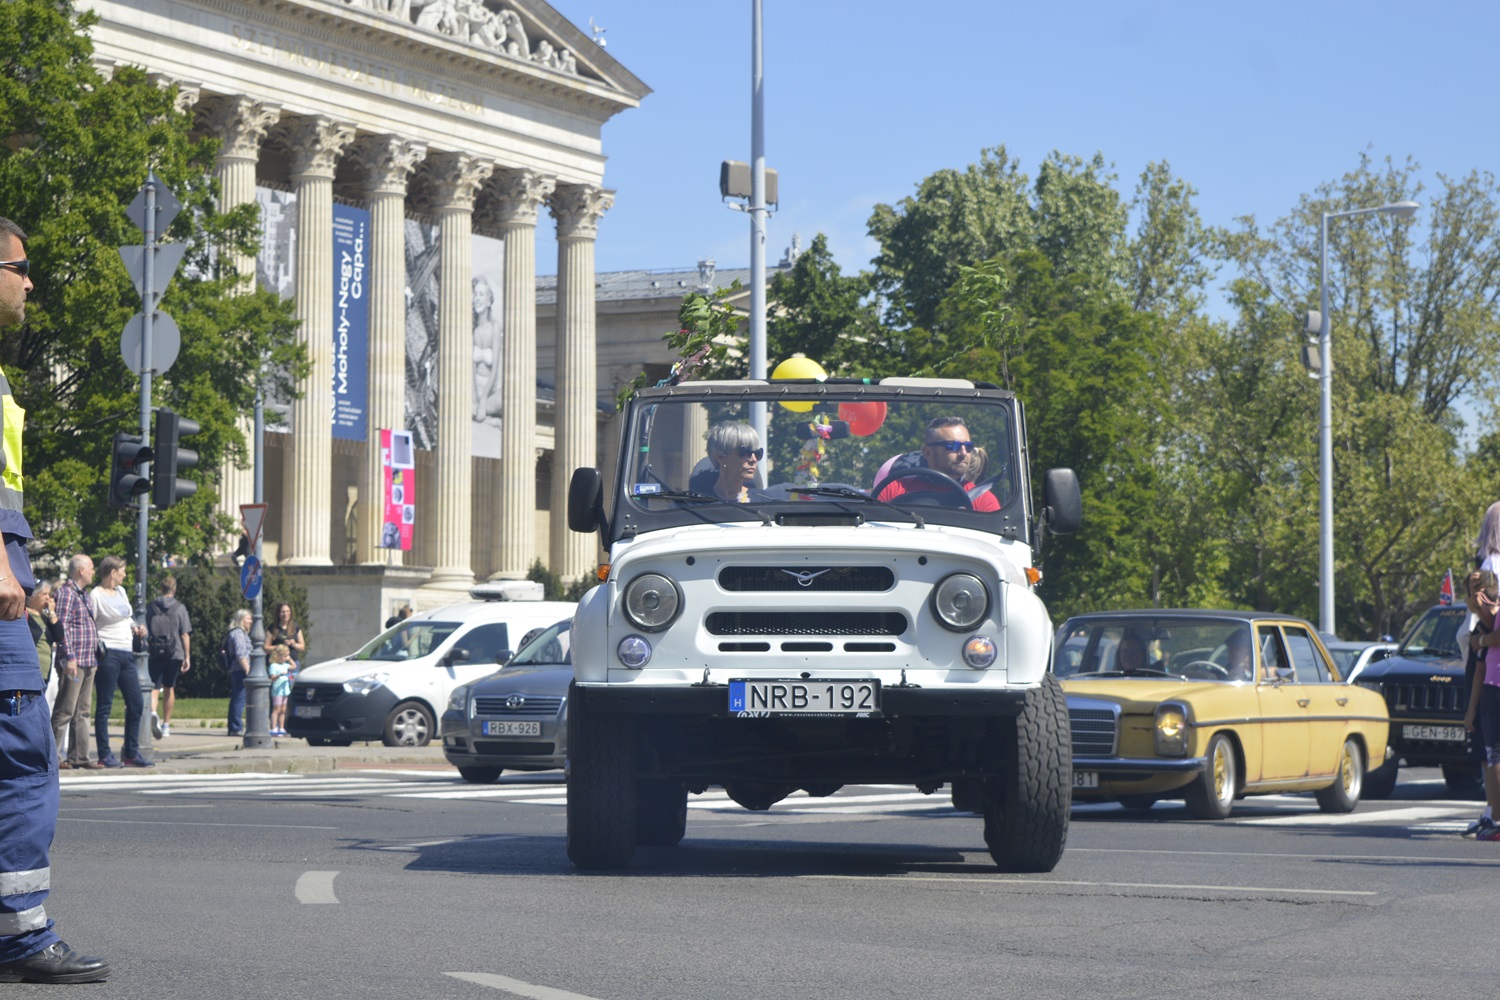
(799, 368)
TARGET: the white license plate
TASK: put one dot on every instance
(1449, 734)
(512, 729)
(1085, 779)
(308, 711)
(805, 697)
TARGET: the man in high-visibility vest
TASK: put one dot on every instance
(30, 951)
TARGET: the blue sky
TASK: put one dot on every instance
(1252, 104)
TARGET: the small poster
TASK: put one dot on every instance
(399, 462)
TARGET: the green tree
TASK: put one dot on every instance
(79, 148)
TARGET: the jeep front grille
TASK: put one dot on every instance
(1422, 698)
(806, 623)
(810, 579)
(1093, 731)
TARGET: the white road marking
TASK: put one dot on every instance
(63, 815)
(1097, 885)
(1291, 857)
(1399, 817)
(316, 887)
(517, 987)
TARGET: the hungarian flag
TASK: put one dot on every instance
(1445, 592)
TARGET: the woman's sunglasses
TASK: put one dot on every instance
(755, 453)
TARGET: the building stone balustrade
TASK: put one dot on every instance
(387, 162)
(314, 144)
(577, 209)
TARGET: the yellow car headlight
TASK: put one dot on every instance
(1172, 724)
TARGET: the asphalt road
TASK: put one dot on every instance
(394, 883)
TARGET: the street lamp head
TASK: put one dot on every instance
(1403, 209)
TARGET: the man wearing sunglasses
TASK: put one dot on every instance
(946, 448)
(30, 951)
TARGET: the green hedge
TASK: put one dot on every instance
(211, 595)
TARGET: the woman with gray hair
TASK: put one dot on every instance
(237, 649)
(734, 451)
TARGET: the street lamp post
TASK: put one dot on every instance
(1401, 209)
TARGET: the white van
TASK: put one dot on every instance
(395, 688)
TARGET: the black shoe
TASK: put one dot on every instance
(55, 964)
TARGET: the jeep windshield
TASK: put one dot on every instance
(931, 453)
(1435, 633)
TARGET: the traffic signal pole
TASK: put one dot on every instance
(143, 511)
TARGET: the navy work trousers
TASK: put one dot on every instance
(28, 818)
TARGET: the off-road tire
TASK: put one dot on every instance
(660, 813)
(1343, 795)
(601, 786)
(480, 775)
(1380, 782)
(1026, 810)
(1464, 779)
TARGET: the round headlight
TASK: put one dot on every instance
(960, 601)
(652, 602)
(634, 651)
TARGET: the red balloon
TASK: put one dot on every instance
(864, 418)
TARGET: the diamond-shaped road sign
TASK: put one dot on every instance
(167, 206)
(166, 341)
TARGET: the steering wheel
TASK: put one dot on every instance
(947, 494)
(1209, 667)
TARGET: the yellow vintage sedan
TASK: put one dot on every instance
(1211, 706)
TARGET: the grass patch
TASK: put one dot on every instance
(186, 708)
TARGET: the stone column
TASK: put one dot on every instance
(388, 161)
(314, 144)
(240, 123)
(514, 197)
(577, 209)
(453, 181)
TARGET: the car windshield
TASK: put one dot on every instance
(691, 455)
(548, 647)
(407, 641)
(1343, 659)
(1139, 646)
(1435, 633)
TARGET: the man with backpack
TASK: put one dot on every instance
(168, 646)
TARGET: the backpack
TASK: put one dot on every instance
(161, 632)
(226, 651)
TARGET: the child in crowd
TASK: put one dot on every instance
(280, 669)
(1483, 715)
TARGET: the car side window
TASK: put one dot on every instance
(484, 642)
(1273, 658)
(1311, 668)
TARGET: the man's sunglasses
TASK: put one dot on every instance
(23, 267)
(755, 453)
(953, 446)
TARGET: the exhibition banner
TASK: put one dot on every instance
(399, 462)
(351, 320)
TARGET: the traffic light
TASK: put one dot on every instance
(126, 482)
(166, 488)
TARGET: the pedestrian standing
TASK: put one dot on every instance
(1483, 714)
(30, 950)
(169, 641)
(286, 633)
(79, 655)
(117, 632)
(236, 649)
(1473, 628)
(46, 632)
(280, 672)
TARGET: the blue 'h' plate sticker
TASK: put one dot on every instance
(736, 696)
(646, 489)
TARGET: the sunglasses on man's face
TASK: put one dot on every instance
(954, 446)
(755, 453)
(21, 267)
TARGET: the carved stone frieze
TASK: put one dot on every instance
(240, 123)
(578, 209)
(388, 161)
(493, 28)
(513, 197)
(313, 143)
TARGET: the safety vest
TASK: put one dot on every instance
(12, 422)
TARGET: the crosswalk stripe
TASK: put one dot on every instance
(1402, 816)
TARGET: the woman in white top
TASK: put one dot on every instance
(117, 629)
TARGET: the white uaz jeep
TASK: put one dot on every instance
(846, 601)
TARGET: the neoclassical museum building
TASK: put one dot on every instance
(404, 153)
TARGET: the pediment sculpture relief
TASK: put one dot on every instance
(496, 30)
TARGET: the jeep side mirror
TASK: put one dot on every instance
(1064, 504)
(586, 501)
